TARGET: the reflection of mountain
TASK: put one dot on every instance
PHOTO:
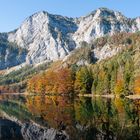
(9, 130)
(79, 118)
(21, 123)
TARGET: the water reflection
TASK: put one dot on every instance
(9, 130)
(82, 118)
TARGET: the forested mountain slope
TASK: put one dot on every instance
(119, 74)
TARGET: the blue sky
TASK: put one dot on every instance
(13, 12)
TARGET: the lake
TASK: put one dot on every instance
(69, 118)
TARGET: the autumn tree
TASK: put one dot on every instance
(137, 85)
(51, 81)
(119, 88)
(84, 79)
(65, 81)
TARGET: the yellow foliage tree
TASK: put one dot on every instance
(119, 88)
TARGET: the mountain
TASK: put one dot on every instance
(104, 22)
(48, 37)
(113, 60)
(10, 53)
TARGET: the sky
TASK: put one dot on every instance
(14, 12)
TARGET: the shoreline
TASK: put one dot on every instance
(133, 97)
(91, 95)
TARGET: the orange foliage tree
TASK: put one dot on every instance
(65, 81)
(56, 82)
(137, 85)
(51, 82)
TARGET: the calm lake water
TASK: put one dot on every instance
(77, 118)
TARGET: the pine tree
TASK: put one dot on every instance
(84, 79)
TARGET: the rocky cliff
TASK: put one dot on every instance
(10, 53)
(49, 37)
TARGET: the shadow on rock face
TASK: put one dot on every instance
(9, 130)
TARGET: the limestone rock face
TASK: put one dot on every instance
(11, 55)
(104, 22)
(48, 37)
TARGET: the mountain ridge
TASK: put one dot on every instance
(49, 37)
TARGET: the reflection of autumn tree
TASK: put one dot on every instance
(87, 118)
(105, 117)
(84, 115)
(11, 88)
(56, 109)
(83, 110)
(98, 106)
(35, 105)
(106, 126)
(100, 117)
(119, 104)
(132, 109)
